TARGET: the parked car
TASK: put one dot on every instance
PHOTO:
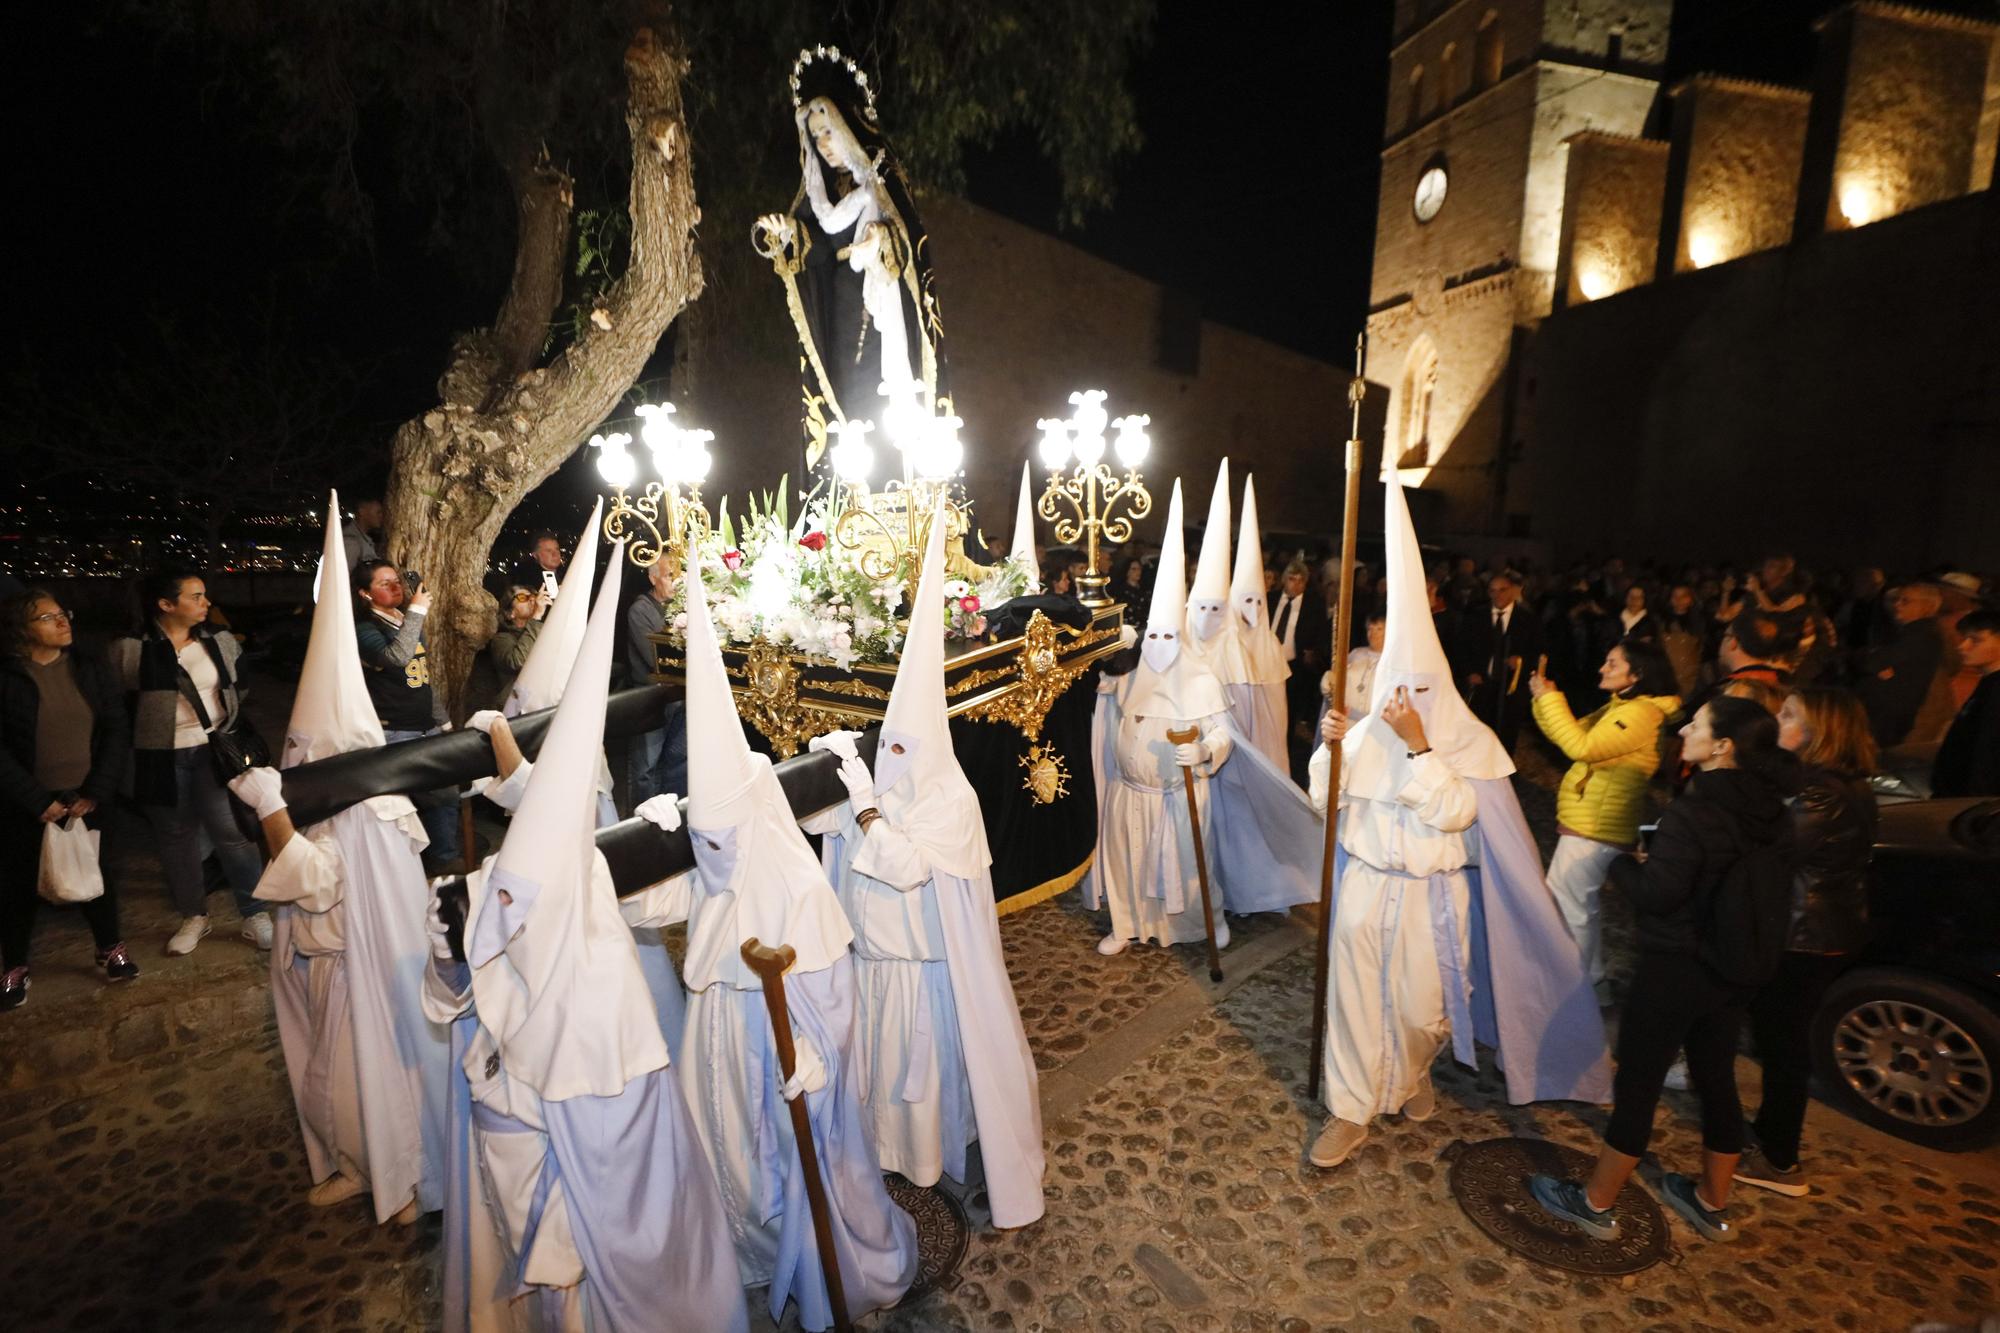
(1908, 1038)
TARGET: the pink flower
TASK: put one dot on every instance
(813, 541)
(978, 626)
(732, 559)
(968, 604)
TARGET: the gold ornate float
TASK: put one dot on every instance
(790, 697)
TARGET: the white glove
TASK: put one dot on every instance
(808, 1072)
(261, 789)
(434, 923)
(860, 783)
(839, 742)
(483, 720)
(1127, 636)
(662, 812)
(1191, 754)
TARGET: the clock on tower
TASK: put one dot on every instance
(1429, 196)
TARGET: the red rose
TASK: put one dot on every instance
(813, 541)
(968, 604)
(732, 559)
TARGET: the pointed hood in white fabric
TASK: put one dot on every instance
(919, 786)
(755, 874)
(556, 975)
(1375, 758)
(1264, 658)
(543, 675)
(1208, 602)
(1169, 682)
(1024, 532)
(331, 712)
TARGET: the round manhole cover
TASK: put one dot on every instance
(1490, 1181)
(942, 1232)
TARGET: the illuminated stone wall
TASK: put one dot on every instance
(1840, 396)
(1896, 115)
(1611, 215)
(1734, 170)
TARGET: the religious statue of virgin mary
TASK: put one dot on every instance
(853, 257)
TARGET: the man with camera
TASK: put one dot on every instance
(390, 632)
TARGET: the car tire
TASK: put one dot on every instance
(1911, 1055)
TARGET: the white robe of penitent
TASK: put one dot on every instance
(368, 1073)
(1399, 929)
(1145, 870)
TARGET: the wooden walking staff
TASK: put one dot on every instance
(1200, 856)
(770, 966)
(1343, 631)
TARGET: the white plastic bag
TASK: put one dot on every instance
(70, 873)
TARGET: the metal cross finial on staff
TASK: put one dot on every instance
(1343, 630)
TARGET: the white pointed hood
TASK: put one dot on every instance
(556, 975)
(543, 675)
(920, 788)
(1208, 602)
(331, 712)
(1263, 657)
(755, 874)
(1374, 756)
(1169, 682)
(1024, 533)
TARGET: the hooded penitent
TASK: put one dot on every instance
(368, 1071)
(547, 670)
(1529, 997)
(748, 847)
(1375, 759)
(1024, 533)
(1263, 656)
(1168, 681)
(1208, 620)
(590, 1164)
(544, 937)
(924, 798)
(756, 878)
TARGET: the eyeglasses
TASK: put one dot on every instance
(524, 597)
(49, 617)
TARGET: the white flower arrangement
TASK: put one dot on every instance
(785, 582)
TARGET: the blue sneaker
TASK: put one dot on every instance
(1565, 1201)
(1712, 1223)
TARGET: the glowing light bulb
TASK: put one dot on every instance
(903, 417)
(1594, 283)
(853, 459)
(1704, 248)
(1132, 443)
(1857, 204)
(614, 464)
(694, 460)
(1054, 446)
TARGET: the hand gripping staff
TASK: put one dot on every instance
(1343, 631)
(1200, 856)
(770, 966)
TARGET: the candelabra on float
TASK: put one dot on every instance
(1091, 491)
(660, 520)
(887, 544)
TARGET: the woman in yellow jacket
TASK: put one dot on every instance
(1603, 796)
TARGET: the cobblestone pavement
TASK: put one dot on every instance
(153, 1176)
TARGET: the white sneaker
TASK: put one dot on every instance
(190, 934)
(1677, 1076)
(257, 930)
(1112, 945)
(1423, 1103)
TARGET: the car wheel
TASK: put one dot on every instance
(1911, 1055)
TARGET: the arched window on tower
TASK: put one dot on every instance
(1448, 76)
(1419, 403)
(1416, 109)
(1487, 53)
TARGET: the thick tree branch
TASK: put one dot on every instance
(543, 202)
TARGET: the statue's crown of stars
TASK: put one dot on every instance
(825, 56)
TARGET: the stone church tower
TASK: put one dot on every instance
(1483, 95)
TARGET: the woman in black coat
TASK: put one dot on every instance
(1732, 818)
(64, 744)
(1833, 834)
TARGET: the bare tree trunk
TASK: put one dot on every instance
(459, 470)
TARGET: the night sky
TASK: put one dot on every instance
(142, 195)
